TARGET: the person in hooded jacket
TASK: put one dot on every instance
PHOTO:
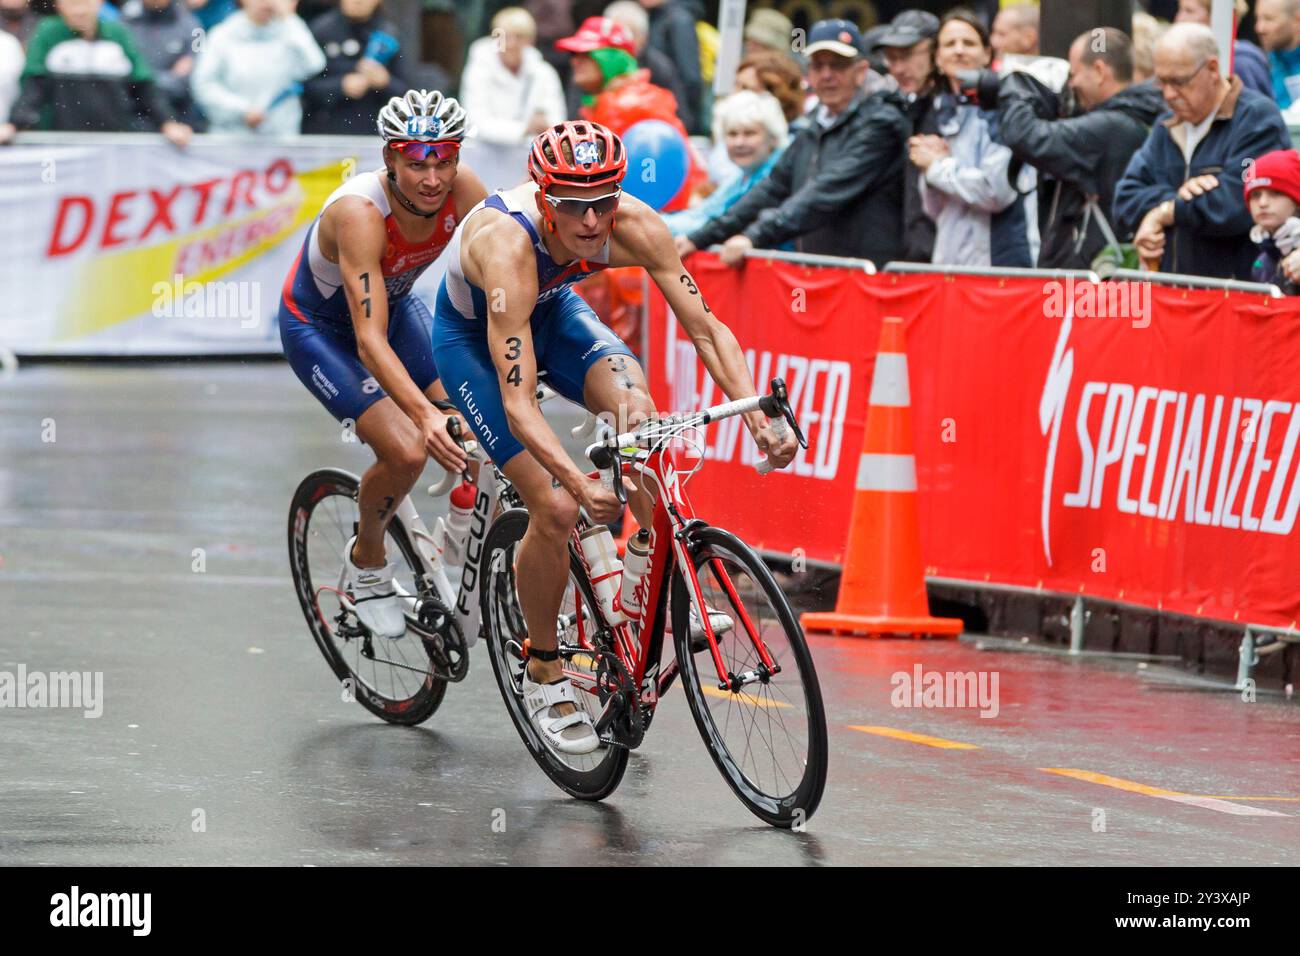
(672, 32)
(165, 32)
(968, 185)
(1079, 158)
(510, 90)
(249, 75)
(363, 69)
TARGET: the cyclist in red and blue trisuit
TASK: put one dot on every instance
(360, 341)
(507, 312)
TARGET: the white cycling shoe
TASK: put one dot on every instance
(371, 590)
(720, 621)
(572, 734)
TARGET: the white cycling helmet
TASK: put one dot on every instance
(423, 116)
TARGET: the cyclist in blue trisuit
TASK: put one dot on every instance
(506, 311)
(359, 340)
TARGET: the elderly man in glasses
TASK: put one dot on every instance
(1182, 190)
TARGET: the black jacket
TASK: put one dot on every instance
(672, 32)
(1211, 232)
(836, 191)
(1076, 157)
(918, 228)
(326, 108)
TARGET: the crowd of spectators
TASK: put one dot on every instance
(945, 139)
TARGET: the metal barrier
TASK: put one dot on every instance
(1006, 272)
(1198, 282)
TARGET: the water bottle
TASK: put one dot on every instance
(601, 555)
(635, 562)
(462, 508)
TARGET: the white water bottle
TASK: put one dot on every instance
(458, 517)
(635, 561)
(601, 555)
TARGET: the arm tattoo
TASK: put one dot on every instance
(514, 377)
(693, 290)
(514, 347)
(365, 287)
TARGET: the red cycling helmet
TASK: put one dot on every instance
(577, 153)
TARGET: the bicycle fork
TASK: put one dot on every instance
(767, 668)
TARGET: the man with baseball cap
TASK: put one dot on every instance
(908, 44)
(838, 188)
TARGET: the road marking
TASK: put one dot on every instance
(1209, 803)
(749, 699)
(907, 735)
(1285, 799)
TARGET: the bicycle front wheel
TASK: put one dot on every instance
(768, 738)
(590, 776)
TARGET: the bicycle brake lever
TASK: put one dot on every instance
(610, 464)
(782, 397)
(454, 430)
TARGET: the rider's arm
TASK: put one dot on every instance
(363, 283)
(503, 258)
(644, 239)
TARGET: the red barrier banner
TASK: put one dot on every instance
(1122, 440)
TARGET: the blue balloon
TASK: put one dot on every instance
(657, 162)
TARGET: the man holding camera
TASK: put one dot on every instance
(1080, 150)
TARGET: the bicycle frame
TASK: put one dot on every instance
(639, 644)
(464, 600)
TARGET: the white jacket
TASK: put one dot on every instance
(12, 59)
(244, 66)
(501, 103)
(962, 191)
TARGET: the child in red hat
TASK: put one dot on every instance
(1272, 186)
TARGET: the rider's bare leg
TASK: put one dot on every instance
(399, 459)
(615, 388)
(542, 568)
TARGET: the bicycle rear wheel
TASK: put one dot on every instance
(768, 739)
(393, 679)
(590, 776)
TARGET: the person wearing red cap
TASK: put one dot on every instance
(1272, 189)
(618, 95)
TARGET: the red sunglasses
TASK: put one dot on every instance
(419, 152)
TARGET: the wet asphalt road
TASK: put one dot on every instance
(225, 740)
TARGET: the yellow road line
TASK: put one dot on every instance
(1209, 803)
(757, 702)
(915, 738)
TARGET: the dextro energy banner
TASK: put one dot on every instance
(1123, 440)
(143, 248)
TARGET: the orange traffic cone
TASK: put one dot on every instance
(882, 590)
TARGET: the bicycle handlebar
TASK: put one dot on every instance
(775, 405)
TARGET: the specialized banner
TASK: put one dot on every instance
(1122, 440)
(128, 245)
